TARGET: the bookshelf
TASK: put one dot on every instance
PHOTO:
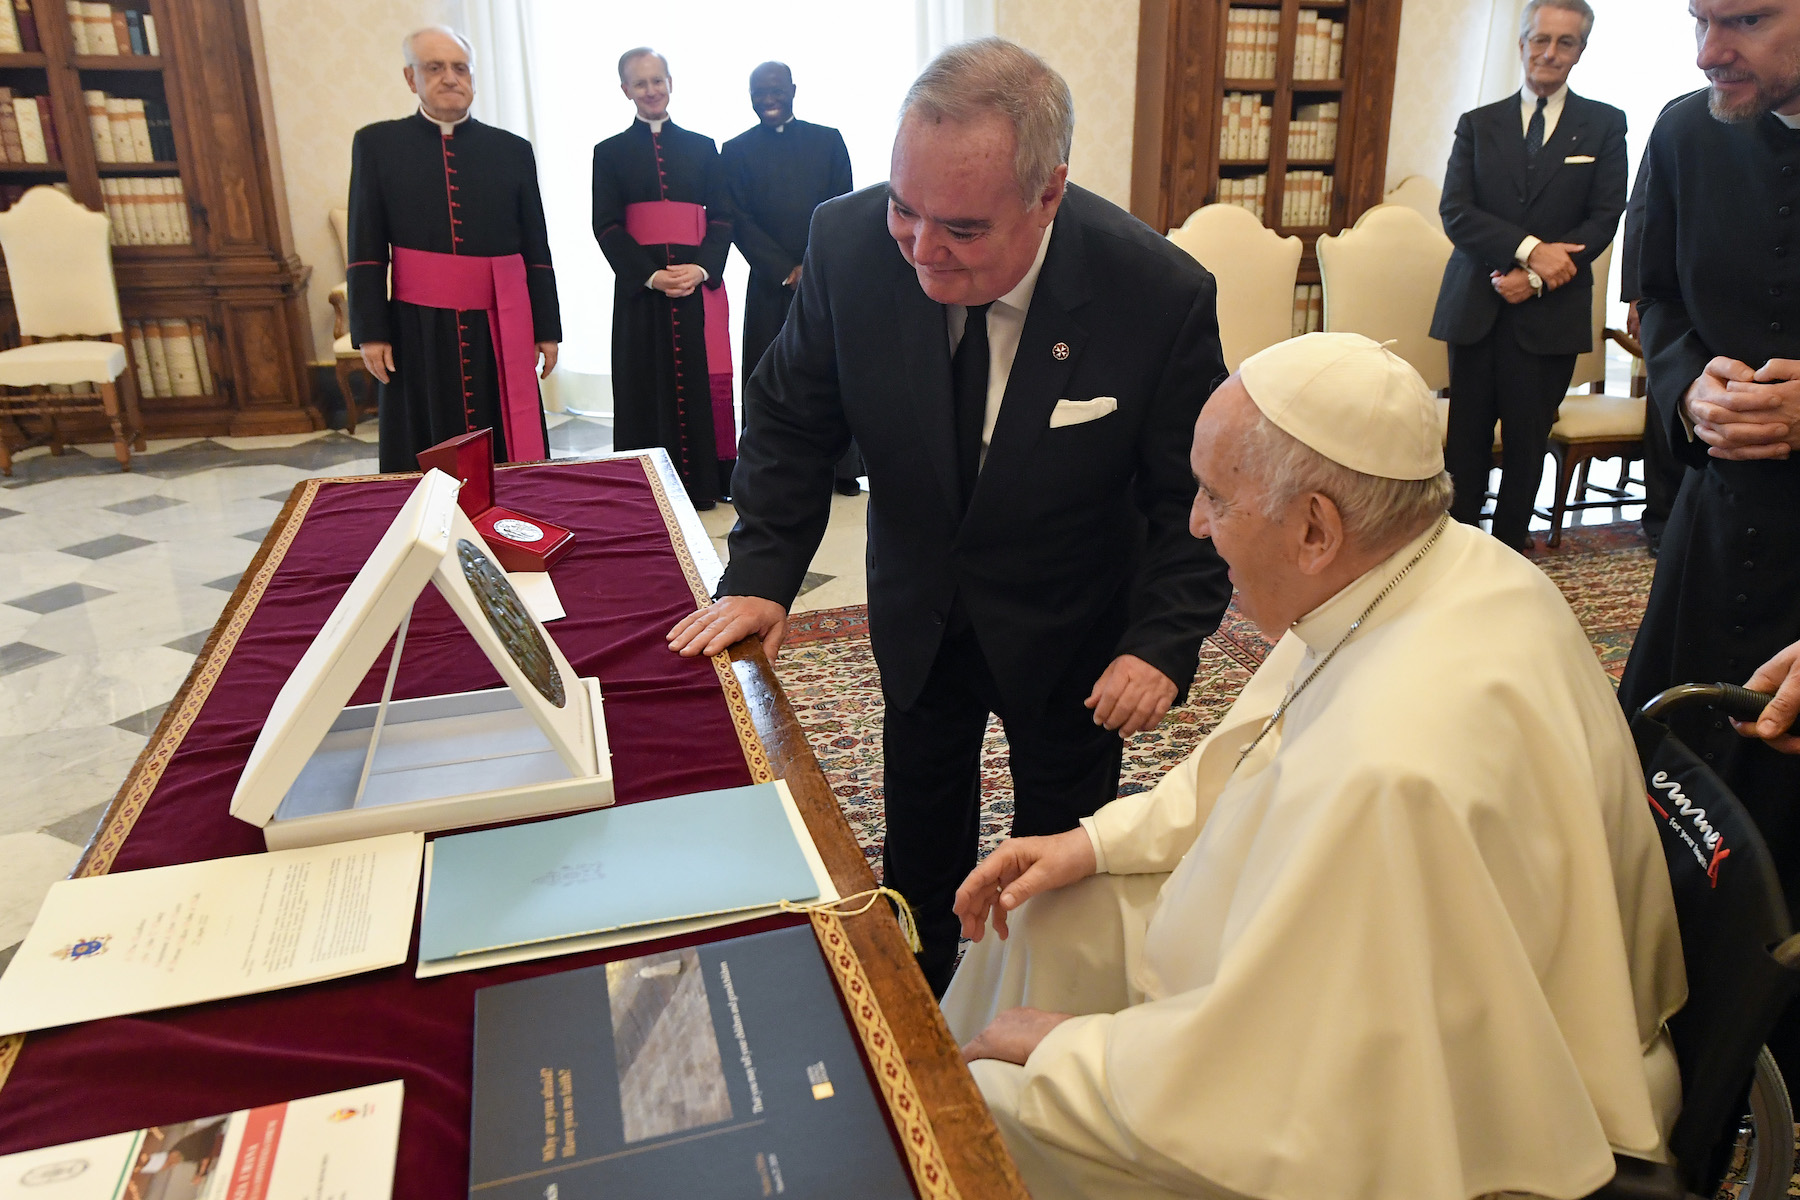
(202, 247)
(1319, 146)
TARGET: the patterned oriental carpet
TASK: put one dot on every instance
(829, 675)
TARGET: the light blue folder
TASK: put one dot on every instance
(613, 868)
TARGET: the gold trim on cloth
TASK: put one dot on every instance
(927, 1158)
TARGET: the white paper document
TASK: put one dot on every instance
(144, 940)
(538, 593)
(341, 1145)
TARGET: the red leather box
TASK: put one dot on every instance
(519, 542)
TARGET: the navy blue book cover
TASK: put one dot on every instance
(724, 1070)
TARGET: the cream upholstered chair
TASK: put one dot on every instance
(1595, 425)
(1256, 269)
(1419, 194)
(59, 263)
(1381, 280)
(348, 358)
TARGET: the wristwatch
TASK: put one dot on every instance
(1536, 281)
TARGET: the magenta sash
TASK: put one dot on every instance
(672, 223)
(496, 286)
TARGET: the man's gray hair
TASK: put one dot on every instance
(641, 52)
(1378, 513)
(412, 57)
(993, 75)
(1579, 7)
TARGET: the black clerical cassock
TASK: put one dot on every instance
(455, 211)
(660, 201)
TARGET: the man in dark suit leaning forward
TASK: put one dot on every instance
(1532, 196)
(1022, 364)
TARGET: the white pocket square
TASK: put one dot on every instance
(1074, 412)
(1579, 158)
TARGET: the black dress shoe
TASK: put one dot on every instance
(705, 505)
(849, 487)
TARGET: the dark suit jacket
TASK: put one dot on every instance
(1075, 545)
(1492, 200)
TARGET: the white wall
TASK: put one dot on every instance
(1093, 43)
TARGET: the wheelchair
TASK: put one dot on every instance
(1743, 967)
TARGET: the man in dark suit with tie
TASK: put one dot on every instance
(1022, 364)
(1532, 196)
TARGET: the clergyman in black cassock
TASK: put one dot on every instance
(665, 392)
(450, 187)
(778, 171)
(1719, 274)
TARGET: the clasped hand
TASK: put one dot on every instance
(1746, 414)
(1514, 286)
(679, 280)
(1554, 262)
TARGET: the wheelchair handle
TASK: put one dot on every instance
(1739, 703)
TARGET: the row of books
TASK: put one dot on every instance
(147, 211)
(18, 28)
(1252, 36)
(1306, 199)
(1244, 126)
(170, 356)
(1251, 192)
(99, 28)
(28, 129)
(129, 130)
(1312, 134)
(1309, 308)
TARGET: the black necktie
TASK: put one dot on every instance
(1534, 133)
(969, 387)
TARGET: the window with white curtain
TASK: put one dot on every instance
(548, 70)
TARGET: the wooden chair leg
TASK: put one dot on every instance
(1559, 505)
(134, 417)
(5, 455)
(56, 438)
(346, 368)
(109, 400)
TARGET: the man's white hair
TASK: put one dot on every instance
(1579, 7)
(993, 75)
(412, 56)
(1378, 513)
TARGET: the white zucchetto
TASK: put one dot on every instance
(1352, 400)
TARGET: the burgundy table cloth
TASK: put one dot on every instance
(671, 727)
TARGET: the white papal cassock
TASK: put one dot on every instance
(1420, 944)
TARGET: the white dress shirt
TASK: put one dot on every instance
(1005, 322)
(1553, 107)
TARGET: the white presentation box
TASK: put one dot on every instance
(323, 772)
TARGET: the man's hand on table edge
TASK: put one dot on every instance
(1017, 870)
(1131, 696)
(1013, 1035)
(728, 620)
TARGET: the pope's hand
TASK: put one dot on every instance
(1780, 675)
(378, 357)
(1131, 696)
(1013, 1035)
(1017, 870)
(548, 351)
(727, 621)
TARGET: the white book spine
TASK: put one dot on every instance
(197, 332)
(100, 28)
(184, 368)
(184, 230)
(78, 25)
(1337, 50)
(139, 124)
(31, 129)
(118, 123)
(140, 358)
(150, 34)
(99, 126)
(9, 31)
(159, 360)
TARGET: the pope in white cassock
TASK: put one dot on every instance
(1400, 927)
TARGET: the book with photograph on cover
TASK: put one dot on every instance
(727, 1069)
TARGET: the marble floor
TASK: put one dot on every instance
(110, 582)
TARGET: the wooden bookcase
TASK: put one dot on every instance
(1181, 86)
(239, 276)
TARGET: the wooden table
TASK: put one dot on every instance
(976, 1160)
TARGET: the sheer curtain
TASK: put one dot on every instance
(546, 70)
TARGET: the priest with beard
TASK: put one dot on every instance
(778, 172)
(451, 207)
(663, 219)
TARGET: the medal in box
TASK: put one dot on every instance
(518, 542)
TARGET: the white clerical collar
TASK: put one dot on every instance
(782, 128)
(444, 127)
(1325, 626)
(656, 125)
(1792, 122)
(1019, 299)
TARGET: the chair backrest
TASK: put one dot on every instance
(1729, 904)
(1591, 367)
(1256, 269)
(340, 225)
(59, 263)
(1419, 194)
(1381, 280)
